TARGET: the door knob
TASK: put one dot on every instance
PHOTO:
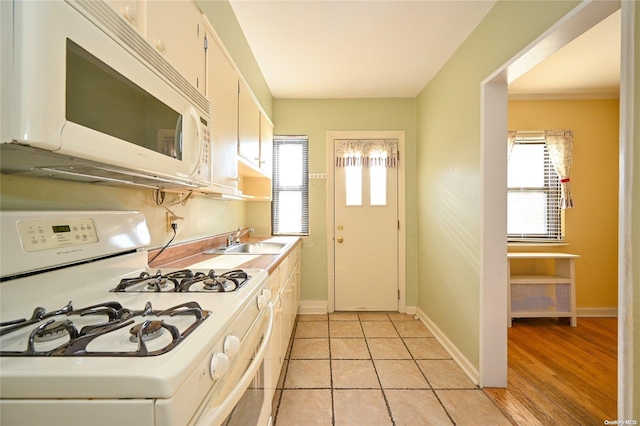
(340, 239)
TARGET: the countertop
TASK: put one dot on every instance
(268, 262)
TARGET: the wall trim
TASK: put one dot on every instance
(312, 307)
(597, 312)
(456, 354)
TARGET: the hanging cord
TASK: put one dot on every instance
(174, 226)
(159, 198)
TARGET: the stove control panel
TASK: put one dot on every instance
(45, 234)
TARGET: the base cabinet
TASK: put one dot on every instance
(284, 284)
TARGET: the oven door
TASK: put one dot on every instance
(245, 399)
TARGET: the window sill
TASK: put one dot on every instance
(536, 244)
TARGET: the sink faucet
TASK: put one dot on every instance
(235, 237)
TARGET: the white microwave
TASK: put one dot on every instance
(85, 97)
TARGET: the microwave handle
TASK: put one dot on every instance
(194, 126)
(214, 414)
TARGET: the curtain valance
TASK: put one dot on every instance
(367, 153)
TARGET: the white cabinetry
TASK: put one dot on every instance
(222, 92)
(548, 291)
(176, 29)
(266, 145)
(285, 288)
(248, 126)
(133, 12)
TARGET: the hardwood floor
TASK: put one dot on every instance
(560, 375)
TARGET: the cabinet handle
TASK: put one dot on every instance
(129, 14)
(340, 240)
(161, 45)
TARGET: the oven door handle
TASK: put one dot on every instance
(217, 414)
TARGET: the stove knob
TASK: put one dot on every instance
(262, 301)
(231, 346)
(219, 365)
(267, 293)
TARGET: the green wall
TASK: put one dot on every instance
(448, 167)
(314, 117)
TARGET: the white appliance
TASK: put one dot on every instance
(85, 97)
(90, 335)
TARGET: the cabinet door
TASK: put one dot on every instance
(132, 11)
(175, 28)
(286, 326)
(222, 85)
(248, 126)
(266, 145)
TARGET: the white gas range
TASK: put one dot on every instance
(90, 335)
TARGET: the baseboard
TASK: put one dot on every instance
(311, 307)
(597, 312)
(466, 366)
(410, 310)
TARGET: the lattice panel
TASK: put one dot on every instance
(540, 298)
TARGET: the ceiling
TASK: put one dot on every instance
(392, 48)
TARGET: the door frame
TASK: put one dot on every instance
(330, 148)
(493, 277)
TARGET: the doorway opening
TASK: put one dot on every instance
(493, 301)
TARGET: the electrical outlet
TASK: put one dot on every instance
(171, 219)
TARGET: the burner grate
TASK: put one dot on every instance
(184, 281)
(77, 341)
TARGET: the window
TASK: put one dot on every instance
(290, 206)
(533, 196)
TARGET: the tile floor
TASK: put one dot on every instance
(374, 369)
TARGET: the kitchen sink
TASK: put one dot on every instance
(250, 248)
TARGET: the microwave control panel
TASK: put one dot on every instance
(45, 234)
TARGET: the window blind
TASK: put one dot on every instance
(290, 198)
(533, 196)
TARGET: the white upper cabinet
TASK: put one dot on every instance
(248, 126)
(133, 11)
(176, 29)
(266, 145)
(222, 85)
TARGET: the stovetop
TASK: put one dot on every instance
(93, 347)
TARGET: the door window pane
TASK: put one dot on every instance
(353, 181)
(378, 185)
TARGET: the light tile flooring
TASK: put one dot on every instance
(374, 369)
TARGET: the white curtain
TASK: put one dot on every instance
(367, 153)
(511, 142)
(560, 146)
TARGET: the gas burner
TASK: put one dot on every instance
(154, 283)
(184, 281)
(148, 330)
(53, 331)
(214, 283)
(42, 338)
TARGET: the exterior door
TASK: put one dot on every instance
(366, 238)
